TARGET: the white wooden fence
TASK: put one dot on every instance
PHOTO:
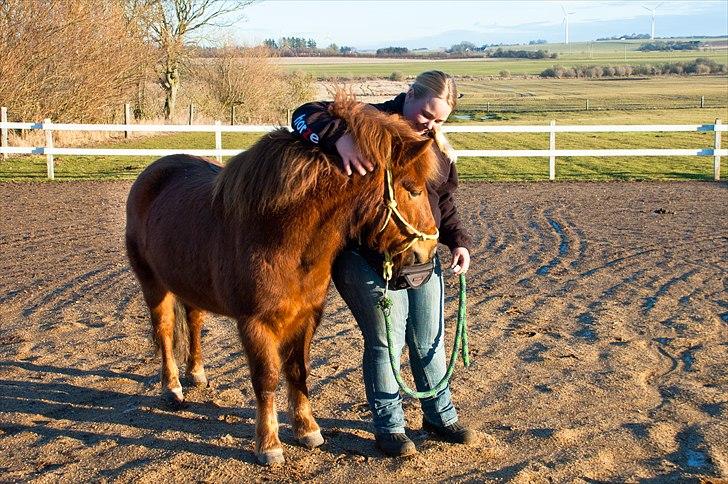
(218, 152)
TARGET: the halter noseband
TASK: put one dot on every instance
(415, 235)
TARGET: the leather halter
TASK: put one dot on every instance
(393, 212)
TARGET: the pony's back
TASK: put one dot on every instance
(184, 173)
(278, 170)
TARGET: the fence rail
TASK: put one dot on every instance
(472, 109)
(218, 152)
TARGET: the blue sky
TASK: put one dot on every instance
(432, 23)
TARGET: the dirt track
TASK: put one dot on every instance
(598, 325)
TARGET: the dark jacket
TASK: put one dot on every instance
(314, 122)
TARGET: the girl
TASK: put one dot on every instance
(417, 313)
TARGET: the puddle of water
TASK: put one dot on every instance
(470, 117)
(724, 317)
(663, 341)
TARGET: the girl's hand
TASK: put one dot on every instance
(460, 260)
(352, 157)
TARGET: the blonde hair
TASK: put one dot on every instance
(440, 85)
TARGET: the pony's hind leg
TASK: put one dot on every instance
(163, 321)
(195, 370)
(161, 304)
(261, 348)
(295, 367)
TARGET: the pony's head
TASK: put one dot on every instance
(403, 226)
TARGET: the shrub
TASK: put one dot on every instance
(396, 76)
(505, 73)
(248, 80)
(702, 69)
(699, 66)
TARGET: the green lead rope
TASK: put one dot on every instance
(461, 334)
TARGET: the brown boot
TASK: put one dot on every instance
(455, 433)
(395, 445)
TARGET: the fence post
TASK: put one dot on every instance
(127, 118)
(587, 105)
(288, 117)
(192, 114)
(4, 130)
(552, 149)
(50, 168)
(232, 115)
(218, 142)
(716, 158)
(702, 101)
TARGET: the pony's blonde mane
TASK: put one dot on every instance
(281, 169)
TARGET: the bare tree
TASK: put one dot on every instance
(175, 24)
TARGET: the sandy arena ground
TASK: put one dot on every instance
(598, 318)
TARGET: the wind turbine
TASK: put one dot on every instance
(566, 24)
(652, 35)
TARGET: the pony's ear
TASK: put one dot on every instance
(414, 150)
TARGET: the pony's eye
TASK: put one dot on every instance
(412, 189)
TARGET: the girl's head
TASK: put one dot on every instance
(430, 100)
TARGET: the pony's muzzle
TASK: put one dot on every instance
(423, 251)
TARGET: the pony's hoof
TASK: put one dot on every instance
(270, 457)
(174, 399)
(311, 440)
(198, 380)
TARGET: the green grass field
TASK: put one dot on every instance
(504, 169)
(572, 94)
(574, 54)
(492, 67)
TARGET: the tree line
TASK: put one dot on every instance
(298, 46)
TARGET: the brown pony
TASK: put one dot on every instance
(256, 240)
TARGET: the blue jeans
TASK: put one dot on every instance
(417, 319)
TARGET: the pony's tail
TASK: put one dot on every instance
(180, 335)
(444, 145)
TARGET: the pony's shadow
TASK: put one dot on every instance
(101, 406)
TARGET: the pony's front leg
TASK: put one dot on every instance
(261, 347)
(295, 366)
